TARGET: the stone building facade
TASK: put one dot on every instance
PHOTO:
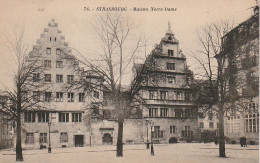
(241, 45)
(208, 127)
(63, 105)
(167, 95)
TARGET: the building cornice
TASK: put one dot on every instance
(171, 88)
(168, 57)
(171, 72)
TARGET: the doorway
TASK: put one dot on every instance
(173, 140)
(107, 139)
(79, 140)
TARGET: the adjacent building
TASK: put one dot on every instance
(241, 45)
(64, 101)
(208, 127)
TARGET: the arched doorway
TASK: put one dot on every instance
(173, 140)
(107, 139)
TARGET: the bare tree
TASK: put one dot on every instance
(218, 89)
(26, 94)
(115, 32)
(213, 65)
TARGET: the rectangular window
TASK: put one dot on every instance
(210, 116)
(96, 94)
(43, 137)
(29, 138)
(171, 79)
(157, 132)
(76, 117)
(201, 124)
(36, 77)
(211, 125)
(252, 122)
(178, 95)
(48, 50)
(188, 113)
(47, 97)
(153, 94)
(43, 117)
(70, 97)
(59, 96)
(170, 53)
(59, 78)
(164, 112)
(172, 129)
(70, 79)
(47, 77)
(59, 64)
(187, 132)
(47, 64)
(57, 50)
(63, 117)
(81, 97)
(36, 96)
(29, 117)
(64, 137)
(178, 113)
(153, 112)
(170, 66)
(163, 95)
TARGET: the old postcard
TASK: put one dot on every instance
(129, 81)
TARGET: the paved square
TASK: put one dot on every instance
(178, 153)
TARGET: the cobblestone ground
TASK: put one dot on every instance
(177, 153)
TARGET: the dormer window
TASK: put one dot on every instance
(170, 53)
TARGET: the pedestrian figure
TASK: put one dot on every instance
(243, 141)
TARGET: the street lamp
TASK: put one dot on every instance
(49, 148)
(151, 125)
(147, 142)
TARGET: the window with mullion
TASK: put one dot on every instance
(70, 97)
(63, 117)
(64, 137)
(43, 137)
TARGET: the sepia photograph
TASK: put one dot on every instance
(117, 81)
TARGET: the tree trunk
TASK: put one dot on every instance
(19, 152)
(119, 145)
(222, 152)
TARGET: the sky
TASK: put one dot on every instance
(78, 28)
